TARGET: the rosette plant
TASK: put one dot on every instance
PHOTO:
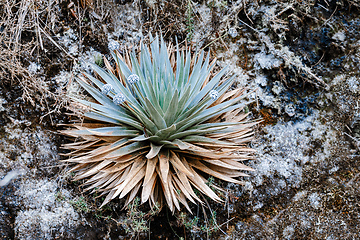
(158, 126)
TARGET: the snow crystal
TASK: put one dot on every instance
(339, 36)
(298, 196)
(261, 80)
(231, 59)
(353, 84)
(203, 30)
(315, 200)
(85, 59)
(334, 169)
(266, 61)
(127, 27)
(258, 206)
(290, 109)
(268, 99)
(288, 232)
(113, 45)
(2, 101)
(277, 88)
(233, 32)
(34, 67)
(69, 40)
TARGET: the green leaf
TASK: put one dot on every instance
(108, 131)
(198, 139)
(150, 125)
(184, 78)
(216, 124)
(164, 133)
(123, 67)
(110, 113)
(102, 118)
(180, 144)
(196, 69)
(106, 109)
(179, 67)
(97, 95)
(158, 119)
(209, 113)
(133, 147)
(211, 84)
(139, 138)
(168, 97)
(184, 96)
(119, 88)
(195, 132)
(155, 149)
(190, 114)
(170, 114)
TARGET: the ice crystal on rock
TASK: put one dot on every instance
(339, 36)
(2, 101)
(233, 32)
(284, 149)
(315, 200)
(21, 148)
(290, 110)
(34, 67)
(267, 61)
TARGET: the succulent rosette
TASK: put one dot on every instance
(158, 126)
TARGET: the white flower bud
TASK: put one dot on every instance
(133, 78)
(106, 89)
(119, 98)
(214, 94)
(113, 45)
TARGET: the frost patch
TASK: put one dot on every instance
(127, 25)
(2, 101)
(339, 36)
(23, 148)
(298, 196)
(353, 84)
(258, 206)
(34, 67)
(283, 152)
(69, 40)
(266, 61)
(288, 232)
(43, 217)
(315, 200)
(85, 59)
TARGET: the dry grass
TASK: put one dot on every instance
(27, 30)
(20, 38)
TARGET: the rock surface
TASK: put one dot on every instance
(300, 57)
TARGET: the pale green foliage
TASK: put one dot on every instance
(159, 117)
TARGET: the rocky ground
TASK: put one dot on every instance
(302, 60)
